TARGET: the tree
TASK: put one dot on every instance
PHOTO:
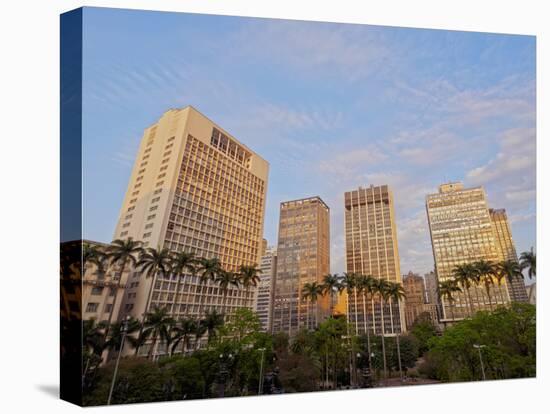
(156, 326)
(213, 321)
(311, 292)
(330, 286)
(423, 330)
(382, 289)
(528, 260)
(465, 275)
(395, 291)
(225, 279)
(509, 269)
(154, 262)
(367, 286)
(447, 289)
(208, 270)
(181, 264)
(122, 253)
(92, 254)
(349, 281)
(485, 271)
(248, 276)
(182, 331)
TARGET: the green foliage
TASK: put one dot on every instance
(423, 330)
(509, 336)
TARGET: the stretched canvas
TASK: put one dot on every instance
(255, 206)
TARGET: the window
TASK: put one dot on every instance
(108, 307)
(97, 290)
(147, 150)
(154, 200)
(133, 200)
(171, 139)
(162, 175)
(125, 225)
(92, 307)
(135, 193)
(129, 216)
(149, 225)
(124, 233)
(141, 171)
(152, 216)
(146, 235)
(128, 307)
(158, 191)
(160, 183)
(153, 208)
(131, 208)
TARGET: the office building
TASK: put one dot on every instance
(193, 188)
(507, 251)
(461, 231)
(303, 256)
(416, 304)
(371, 249)
(264, 298)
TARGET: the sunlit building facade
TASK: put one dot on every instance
(371, 249)
(461, 231)
(303, 256)
(264, 298)
(193, 188)
(507, 251)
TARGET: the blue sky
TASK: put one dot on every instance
(330, 106)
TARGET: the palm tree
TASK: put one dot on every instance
(182, 262)
(122, 252)
(311, 292)
(182, 331)
(381, 288)
(447, 289)
(152, 263)
(331, 284)
(509, 269)
(93, 341)
(464, 275)
(212, 321)
(349, 281)
(396, 292)
(528, 260)
(485, 271)
(208, 270)
(225, 279)
(92, 254)
(115, 338)
(367, 287)
(156, 326)
(249, 276)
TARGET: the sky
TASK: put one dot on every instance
(330, 106)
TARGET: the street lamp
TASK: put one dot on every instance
(261, 379)
(223, 374)
(124, 331)
(478, 347)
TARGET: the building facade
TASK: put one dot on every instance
(371, 249)
(193, 188)
(430, 280)
(461, 232)
(264, 298)
(507, 251)
(303, 256)
(416, 303)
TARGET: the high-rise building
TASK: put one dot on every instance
(303, 256)
(371, 249)
(430, 280)
(507, 251)
(416, 304)
(193, 188)
(264, 298)
(461, 232)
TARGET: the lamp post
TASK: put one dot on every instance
(261, 379)
(124, 331)
(478, 347)
(223, 374)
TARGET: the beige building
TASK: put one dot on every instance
(193, 188)
(371, 249)
(264, 297)
(461, 231)
(303, 256)
(507, 251)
